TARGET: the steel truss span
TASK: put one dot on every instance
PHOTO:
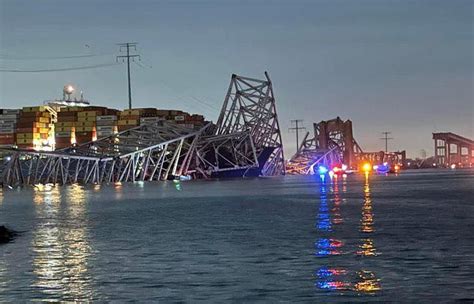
(157, 151)
(249, 106)
(332, 143)
(245, 141)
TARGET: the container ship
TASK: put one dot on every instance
(66, 122)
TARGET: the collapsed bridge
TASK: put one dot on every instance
(333, 144)
(246, 141)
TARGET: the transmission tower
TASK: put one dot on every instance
(127, 46)
(386, 138)
(297, 129)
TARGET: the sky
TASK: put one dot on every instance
(387, 65)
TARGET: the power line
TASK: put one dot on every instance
(386, 138)
(58, 69)
(127, 46)
(210, 106)
(297, 130)
(9, 57)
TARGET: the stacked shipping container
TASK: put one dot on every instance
(8, 121)
(33, 128)
(133, 117)
(65, 127)
(78, 125)
(106, 125)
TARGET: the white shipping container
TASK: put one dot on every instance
(191, 126)
(11, 111)
(179, 118)
(10, 125)
(104, 133)
(148, 120)
(106, 118)
(9, 116)
(106, 123)
(7, 121)
(63, 134)
(7, 131)
(105, 128)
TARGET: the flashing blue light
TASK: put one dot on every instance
(383, 168)
(322, 170)
(324, 272)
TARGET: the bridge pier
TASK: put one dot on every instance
(445, 156)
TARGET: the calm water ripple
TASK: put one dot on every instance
(362, 238)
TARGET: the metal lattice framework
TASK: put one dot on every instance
(333, 143)
(223, 153)
(249, 106)
(246, 140)
(309, 156)
(149, 152)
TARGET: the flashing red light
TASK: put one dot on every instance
(339, 169)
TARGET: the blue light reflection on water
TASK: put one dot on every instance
(327, 246)
(323, 222)
(255, 240)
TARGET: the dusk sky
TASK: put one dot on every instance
(399, 66)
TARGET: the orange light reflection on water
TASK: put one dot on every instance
(338, 279)
(60, 243)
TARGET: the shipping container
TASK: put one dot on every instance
(84, 129)
(135, 112)
(8, 116)
(63, 134)
(88, 114)
(7, 131)
(85, 123)
(162, 112)
(7, 126)
(65, 124)
(149, 119)
(34, 109)
(67, 118)
(105, 133)
(106, 118)
(10, 111)
(28, 135)
(8, 121)
(86, 118)
(105, 128)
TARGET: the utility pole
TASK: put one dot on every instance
(128, 46)
(386, 138)
(297, 129)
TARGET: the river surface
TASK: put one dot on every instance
(405, 238)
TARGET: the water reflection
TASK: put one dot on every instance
(367, 281)
(324, 220)
(367, 248)
(329, 246)
(332, 279)
(118, 190)
(367, 221)
(60, 244)
(336, 210)
(325, 247)
(3, 276)
(177, 185)
(329, 278)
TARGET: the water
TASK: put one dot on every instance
(292, 239)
